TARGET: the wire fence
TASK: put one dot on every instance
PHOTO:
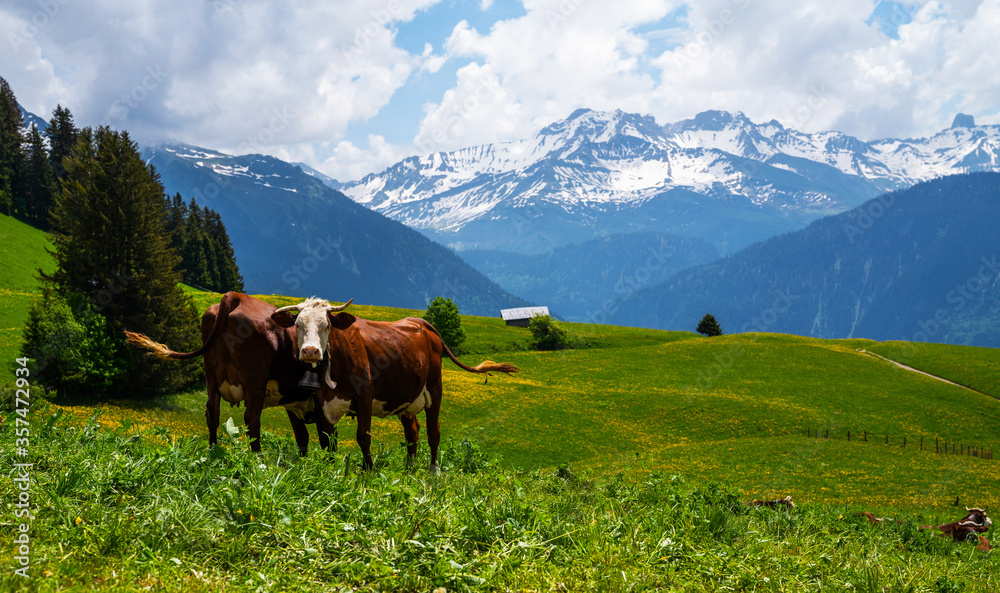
(941, 447)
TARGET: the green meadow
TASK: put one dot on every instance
(619, 465)
(23, 252)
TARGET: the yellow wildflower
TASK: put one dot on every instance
(78, 520)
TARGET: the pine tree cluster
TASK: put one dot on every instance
(30, 172)
(199, 236)
(120, 246)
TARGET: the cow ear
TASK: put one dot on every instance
(284, 318)
(341, 320)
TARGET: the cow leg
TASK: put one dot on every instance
(212, 412)
(252, 419)
(327, 434)
(411, 428)
(433, 428)
(364, 437)
(301, 432)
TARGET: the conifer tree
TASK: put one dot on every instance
(11, 122)
(194, 260)
(229, 273)
(708, 326)
(111, 249)
(62, 135)
(176, 216)
(39, 184)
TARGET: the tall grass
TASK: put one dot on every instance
(130, 509)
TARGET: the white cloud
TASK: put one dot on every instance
(812, 65)
(349, 162)
(298, 79)
(559, 56)
(225, 74)
(477, 107)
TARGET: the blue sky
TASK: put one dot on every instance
(354, 86)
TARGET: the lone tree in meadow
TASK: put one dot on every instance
(442, 313)
(549, 334)
(709, 326)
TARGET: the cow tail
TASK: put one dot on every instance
(229, 302)
(487, 366)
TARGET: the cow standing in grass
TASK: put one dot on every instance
(251, 359)
(381, 369)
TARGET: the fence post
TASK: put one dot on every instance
(904, 442)
(826, 434)
(921, 443)
(886, 439)
(936, 450)
(866, 436)
(848, 436)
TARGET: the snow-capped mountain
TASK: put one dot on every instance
(718, 176)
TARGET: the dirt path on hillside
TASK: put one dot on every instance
(911, 369)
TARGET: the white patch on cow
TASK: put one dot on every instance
(231, 393)
(300, 409)
(335, 409)
(422, 402)
(271, 394)
(379, 410)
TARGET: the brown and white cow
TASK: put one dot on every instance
(381, 369)
(252, 360)
(974, 523)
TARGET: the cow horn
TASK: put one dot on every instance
(289, 308)
(341, 307)
(967, 509)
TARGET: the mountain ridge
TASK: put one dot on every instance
(920, 264)
(593, 173)
(294, 235)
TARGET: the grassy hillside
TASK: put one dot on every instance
(975, 368)
(564, 477)
(736, 408)
(22, 253)
(127, 509)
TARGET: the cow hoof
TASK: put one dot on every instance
(435, 470)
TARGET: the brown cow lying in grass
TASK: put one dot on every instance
(773, 504)
(973, 524)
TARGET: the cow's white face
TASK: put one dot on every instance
(312, 331)
(312, 327)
